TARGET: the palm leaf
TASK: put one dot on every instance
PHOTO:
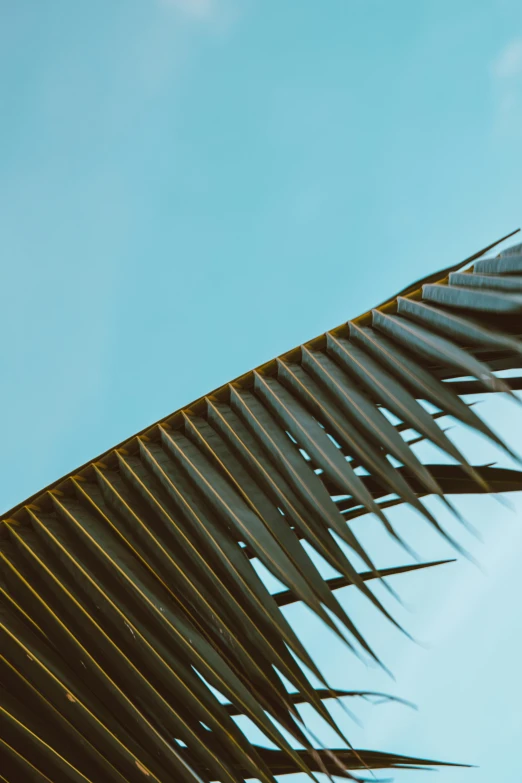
(286, 597)
(131, 606)
(341, 762)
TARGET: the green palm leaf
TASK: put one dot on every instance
(131, 607)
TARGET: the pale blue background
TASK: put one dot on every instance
(188, 188)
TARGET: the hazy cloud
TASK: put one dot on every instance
(506, 71)
(196, 9)
(217, 16)
(508, 64)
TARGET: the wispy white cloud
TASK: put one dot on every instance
(217, 16)
(194, 9)
(508, 64)
(175, 35)
(506, 72)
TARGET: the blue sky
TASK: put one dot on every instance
(189, 187)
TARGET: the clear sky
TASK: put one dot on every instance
(189, 187)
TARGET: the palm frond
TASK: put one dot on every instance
(286, 597)
(131, 606)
